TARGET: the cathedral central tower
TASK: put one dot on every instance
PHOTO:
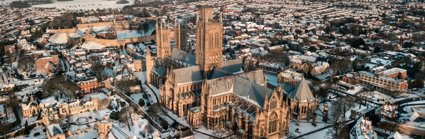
(209, 40)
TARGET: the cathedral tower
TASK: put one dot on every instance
(163, 40)
(179, 36)
(209, 40)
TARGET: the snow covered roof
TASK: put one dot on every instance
(189, 74)
(99, 96)
(59, 38)
(249, 86)
(92, 46)
(302, 92)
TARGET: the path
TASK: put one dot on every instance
(120, 131)
(138, 109)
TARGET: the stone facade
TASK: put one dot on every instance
(180, 38)
(64, 109)
(138, 65)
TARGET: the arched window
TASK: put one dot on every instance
(273, 122)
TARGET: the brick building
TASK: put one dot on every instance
(46, 65)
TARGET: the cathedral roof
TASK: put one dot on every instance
(249, 86)
(232, 66)
(302, 92)
(181, 55)
(188, 74)
(250, 91)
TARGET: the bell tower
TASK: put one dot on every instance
(209, 40)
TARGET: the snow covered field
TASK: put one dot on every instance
(84, 4)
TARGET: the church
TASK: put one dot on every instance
(215, 93)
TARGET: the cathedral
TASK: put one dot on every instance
(215, 93)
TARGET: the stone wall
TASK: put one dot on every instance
(119, 43)
(121, 25)
(69, 30)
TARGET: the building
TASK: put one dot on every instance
(46, 65)
(89, 85)
(209, 40)
(55, 109)
(383, 83)
(394, 73)
(242, 101)
(138, 65)
(217, 94)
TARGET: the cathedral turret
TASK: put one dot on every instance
(240, 118)
(150, 63)
(163, 40)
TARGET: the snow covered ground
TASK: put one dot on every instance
(84, 4)
(139, 129)
(355, 90)
(155, 90)
(141, 76)
(38, 132)
(376, 95)
(306, 127)
(176, 118)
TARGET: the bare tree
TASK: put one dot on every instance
(339, 108)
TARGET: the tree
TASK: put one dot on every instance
(145, 13)
(25, 62)
(58, 83)
(339, 66)
(417, 83)
(323, 91)
(26, 128)
(114, 115)
(339, 108)
(125, 84)
(312, 49)
(377, 49)
(141, 102)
